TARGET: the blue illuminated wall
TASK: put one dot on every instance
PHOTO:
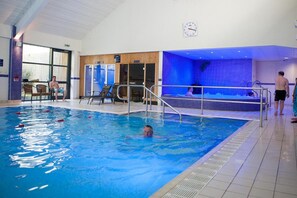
(231, 73)
(178, 70)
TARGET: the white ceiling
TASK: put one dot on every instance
(68, 18)
(75, 18)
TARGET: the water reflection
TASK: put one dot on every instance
(40, 145)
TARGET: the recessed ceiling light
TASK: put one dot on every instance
(211, 52)
(238, 51)
(286, 58)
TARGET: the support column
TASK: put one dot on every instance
(15, 67)
(75, 64)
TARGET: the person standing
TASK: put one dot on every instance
(281, 92)
(295, 99)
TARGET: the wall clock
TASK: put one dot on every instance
(190, 29)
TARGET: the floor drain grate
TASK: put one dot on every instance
(197, 177)
(190, 183)
(181, 192)
(205, 172)
(211, 166)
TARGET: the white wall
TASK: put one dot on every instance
(266, 72)
(141, 25)
(5, 32)
(49, 40)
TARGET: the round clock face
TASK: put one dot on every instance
(190, 29)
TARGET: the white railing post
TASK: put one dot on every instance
(261, 107)
(128, 99)
(202, 96)
(267, 105)
(146, 102)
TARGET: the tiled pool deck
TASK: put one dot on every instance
(253, 162)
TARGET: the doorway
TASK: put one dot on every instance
(137, 74)
(96, 76)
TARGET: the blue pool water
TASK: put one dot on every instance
(72, 153)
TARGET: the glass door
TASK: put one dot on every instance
(124, 69)
(61, 68)
(136, 77)
(110, 74)
(149, 75)
(88, 80)
(137, 74)
(96, 76)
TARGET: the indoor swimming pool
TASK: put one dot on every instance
(58, 152)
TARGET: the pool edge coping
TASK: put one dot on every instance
(179, 178)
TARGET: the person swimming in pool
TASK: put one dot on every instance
(148, 131)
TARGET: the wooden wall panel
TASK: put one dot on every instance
(144, 57)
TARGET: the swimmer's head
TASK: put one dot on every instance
(148, 131)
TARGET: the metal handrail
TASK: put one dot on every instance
(257, 82)
(269, 92)
(202, 99)
(146, 95)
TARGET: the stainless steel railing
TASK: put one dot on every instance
(146, 99)
(262, 91)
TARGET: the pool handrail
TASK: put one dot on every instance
(146, 95)
(257, 82)
(261, 89)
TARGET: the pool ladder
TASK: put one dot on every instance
(146, 99)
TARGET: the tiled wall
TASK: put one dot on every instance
(229, 73)
(182, 71)
(176, 71)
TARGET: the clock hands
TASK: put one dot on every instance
(192, 29)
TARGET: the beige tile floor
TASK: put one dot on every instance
(254, 162)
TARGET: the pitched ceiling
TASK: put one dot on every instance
(75, 18)
(68, 18)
